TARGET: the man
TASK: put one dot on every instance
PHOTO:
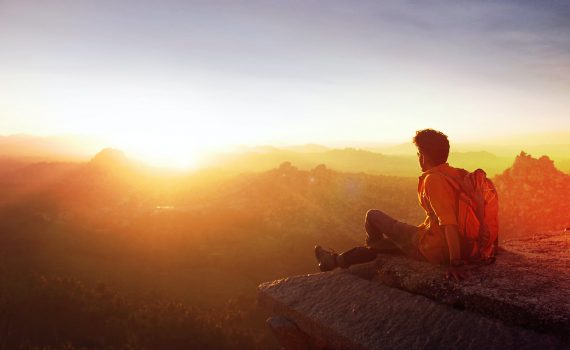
(437, 240)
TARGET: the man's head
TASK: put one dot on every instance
(433, 148)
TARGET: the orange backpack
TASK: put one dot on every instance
(478, 214)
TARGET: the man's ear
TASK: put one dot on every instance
(426, 160)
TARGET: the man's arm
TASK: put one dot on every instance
(454, 244)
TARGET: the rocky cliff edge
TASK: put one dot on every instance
(522, 301)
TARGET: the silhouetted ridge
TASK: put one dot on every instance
(110, 158)
(526, 165)
(533, 196)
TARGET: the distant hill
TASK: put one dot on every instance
(306, 148)
(348, 159)
(493, 155)
(354, 160)
(21, 180)
(487, 161)
(309, 148)
(9, 164)
(533, 196)
(554, 144)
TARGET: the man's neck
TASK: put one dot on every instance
(433, 168)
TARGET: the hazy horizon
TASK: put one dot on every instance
(397, 159)
(94, 143)
(172, 80)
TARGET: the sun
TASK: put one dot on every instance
(163, 149)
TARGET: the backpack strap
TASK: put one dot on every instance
(462, 189)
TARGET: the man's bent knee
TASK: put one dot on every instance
(373, 215)
(370, 213)
(373, 226)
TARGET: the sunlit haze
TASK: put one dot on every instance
(171, 80)
(242, 174)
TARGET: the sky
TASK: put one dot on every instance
(173, 79)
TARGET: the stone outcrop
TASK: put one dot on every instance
(522, 301)
(532, 197)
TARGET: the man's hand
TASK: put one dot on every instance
(455, 273)
(452, 236)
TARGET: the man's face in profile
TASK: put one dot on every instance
(421, 160)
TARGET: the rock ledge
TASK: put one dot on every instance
(520, 302)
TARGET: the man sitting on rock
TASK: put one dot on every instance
(437, 240)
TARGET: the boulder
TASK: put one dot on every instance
(522, 301)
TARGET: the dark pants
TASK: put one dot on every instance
(383, 235)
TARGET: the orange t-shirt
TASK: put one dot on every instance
(439, 200)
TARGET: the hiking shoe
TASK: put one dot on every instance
(326, 258)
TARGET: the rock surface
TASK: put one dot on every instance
(528, 285)
(520, 302)
(289, 334)
(343, 311)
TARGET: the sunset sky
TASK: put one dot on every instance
(174, 78)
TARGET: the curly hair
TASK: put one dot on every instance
(434, 144)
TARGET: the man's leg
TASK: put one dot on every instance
(356, 255)
(384, 232)
(329, 260)
(376, 224)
